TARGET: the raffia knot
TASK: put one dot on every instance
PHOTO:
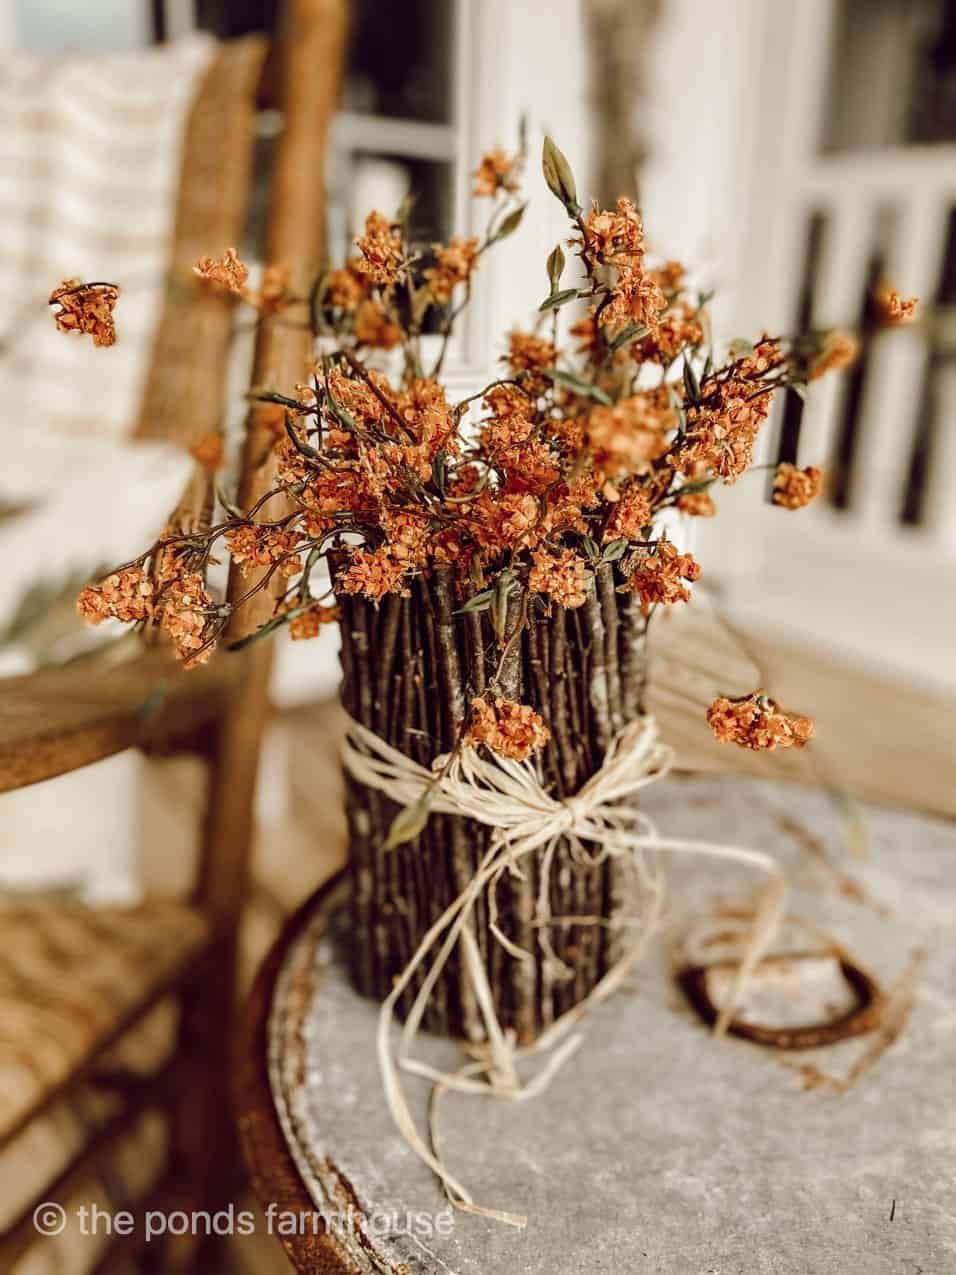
(576, 809)
(509, 797)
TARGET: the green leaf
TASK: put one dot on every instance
(691, 384)
(698, 485)
(555, 267)
(410, 821)
(477, 602)
(256, 395)
(303, 448)
(421, 300)
(590, 548)
(473, 493)
(571, 381)
(741, 348)
(499, 602)
(316, 302)
(616, 549)
(632, 332)
(344, 418)
(232, 510)
(440, 470)
(509, 225)
(558, 299)
(403, 212)
(560, 179)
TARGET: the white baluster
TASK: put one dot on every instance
(939, 506)
(897, 362)
(838, 296)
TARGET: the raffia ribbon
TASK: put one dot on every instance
(508, 796)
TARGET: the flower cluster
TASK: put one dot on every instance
(175, 598)
(756, 721)
(890, 308)
(498, 171)
(510, 729)
(794, 488)
(125, 595)
(658, 574)
(381, 249)
(726, 412)
(556, 472)
(86, 308)
(229, 273)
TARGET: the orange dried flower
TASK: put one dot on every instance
(697, 504)
(374, 328)
(345, 288)
(890, 308)
(229, 273)
(181, 610)
(658, 573)
(670, 276)
(670, 334)
(310, 623)
(590, 341)
(511, 729)
(794, 488)
(517, 517)
(512, 420)
(722, 426)
(496, 171)
(636, 298)
(408, 535)
(125, 595)
(838, 350)
(381, 249)
(756, 721)
(454, 264)
(86, 308)
(269, 417)
(617, 237)
(628, 437)
(251, 546)
(529, 353)
(630, 515)
(208, 451)
(373, 574)
(561, 577)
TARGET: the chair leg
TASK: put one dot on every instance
(205, 1148)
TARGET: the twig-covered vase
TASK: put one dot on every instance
(411, 668)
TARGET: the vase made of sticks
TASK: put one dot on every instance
(411, 668)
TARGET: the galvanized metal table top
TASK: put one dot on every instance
(658, 1148)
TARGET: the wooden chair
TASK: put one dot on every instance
(88, 997)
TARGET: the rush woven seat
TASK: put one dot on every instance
(71, 981)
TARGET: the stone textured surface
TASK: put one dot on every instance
(658, 1148)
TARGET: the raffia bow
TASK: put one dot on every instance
(508, 796)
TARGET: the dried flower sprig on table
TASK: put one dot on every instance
(560, 465)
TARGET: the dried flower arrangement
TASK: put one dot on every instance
(494, 562)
